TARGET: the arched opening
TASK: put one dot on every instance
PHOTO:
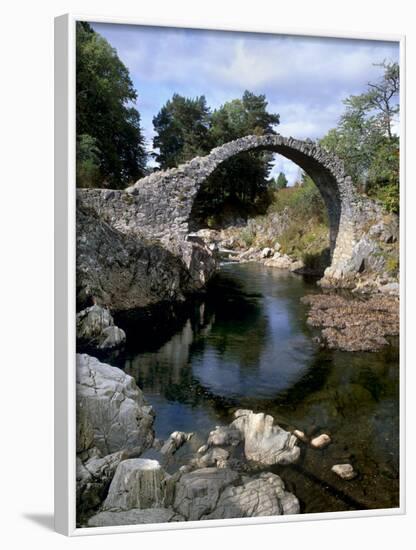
(164, 203)
(321, 175)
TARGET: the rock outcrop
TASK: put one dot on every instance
(197, 492)
(212, 493)
(138, 483)
(126, 270)
(263, 495)
(112, 413)
(118, 485)
(96, 329)
(142, 492)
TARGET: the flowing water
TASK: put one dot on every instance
(246, 344)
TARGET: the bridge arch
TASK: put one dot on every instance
(176, 190)
(160, 205)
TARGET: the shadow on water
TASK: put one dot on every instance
(245, 343)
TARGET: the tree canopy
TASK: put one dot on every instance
(280, 182)
(182, 130)
(110, 144)
(187, 127)
(365, 140)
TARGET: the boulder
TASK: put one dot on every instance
(224, 436)
(213, 457)
(95, 327)
(197, 492)
(135, 516)
(112, 413)
(263, 495)
(174, 442)
(93, 478)
(281, 261)
(265, 442)
(137, 483)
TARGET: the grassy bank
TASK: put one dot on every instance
(297, 219)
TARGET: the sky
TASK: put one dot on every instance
(304, 79)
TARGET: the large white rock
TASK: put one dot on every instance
(112, 413)
(137, 483)
(265, 442)
(263, 495)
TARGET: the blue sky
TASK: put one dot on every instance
(304, 79)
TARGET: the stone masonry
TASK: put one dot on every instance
(160, 205)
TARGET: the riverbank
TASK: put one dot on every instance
(294, 234)
(245, 344)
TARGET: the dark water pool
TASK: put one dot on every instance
(246, 344)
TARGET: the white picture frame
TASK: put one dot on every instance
(65, 255)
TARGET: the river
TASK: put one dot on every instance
(245, 344)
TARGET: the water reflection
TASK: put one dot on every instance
(246, 344)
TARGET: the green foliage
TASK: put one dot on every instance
(181, 128)
(365, 141)
(389, 196)
(392, 265)
(186, 127)
(243, 177)
(279, 183)
(304, 202)
(88, 162)
(104, 95)
(306, 236)
(247, 236)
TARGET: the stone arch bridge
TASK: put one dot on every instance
(160, 205)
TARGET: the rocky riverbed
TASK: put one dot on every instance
(125, 473)
(354, 323)
(118, 483)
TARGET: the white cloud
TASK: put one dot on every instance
(304, 78)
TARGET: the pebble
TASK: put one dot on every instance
(321, 441)
(344, 471)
